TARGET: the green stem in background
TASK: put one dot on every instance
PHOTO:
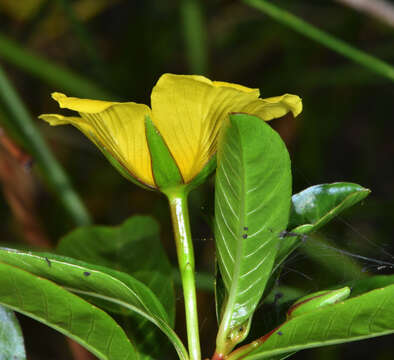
(177, 198)
(23, 125)
(194, 30)
(323, 38)
(55, 75)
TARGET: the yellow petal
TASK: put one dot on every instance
(118, 127)
(82, 105)
(236, 86)
(189, 110)
(274, 107)
(78, 122)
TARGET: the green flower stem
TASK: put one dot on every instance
(339, 46)
(177, 198)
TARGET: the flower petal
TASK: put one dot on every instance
(118, 127)
(188, 111)
(81, 105)
(274, 107)
(236, 86)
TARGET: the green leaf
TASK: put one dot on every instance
(114, 290)
(317, 300)
(370, 283)
(67, 313)
(314, 207)
(317, 205)
(252, 203)
(133, 247)
(11, 338)
(357, 318)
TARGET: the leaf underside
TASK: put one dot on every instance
(252, 202)
(11, 338)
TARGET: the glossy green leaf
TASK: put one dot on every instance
(252, 203)
(317, 300)
(365, 316)
(133, 247)
(67, 313)
(314, 207)
(11, 338)
(114, 290)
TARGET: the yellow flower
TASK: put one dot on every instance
(187, 111)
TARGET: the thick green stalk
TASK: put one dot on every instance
(23, 125)
(177, 198)
(308, 30)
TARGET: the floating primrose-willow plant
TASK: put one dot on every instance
(111, 289)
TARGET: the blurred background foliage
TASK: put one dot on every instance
(117, 49)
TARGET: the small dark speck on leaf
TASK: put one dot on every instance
(280, 333)
(86, 273)
(245, 236)
(48, 262)
(245, 228)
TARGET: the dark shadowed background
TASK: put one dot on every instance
(117, 49)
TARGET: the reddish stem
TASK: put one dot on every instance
(217, 356)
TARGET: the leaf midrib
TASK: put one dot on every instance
(241, 221)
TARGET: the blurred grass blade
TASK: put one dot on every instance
(335, 262)
(57, 179)
(81, 32)
(339, 46)
(55, 75)
(195, 35)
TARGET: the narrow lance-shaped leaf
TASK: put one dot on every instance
(113, 290)
(252, 202)
(365, 316)
(11, 338)
(67, 313)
